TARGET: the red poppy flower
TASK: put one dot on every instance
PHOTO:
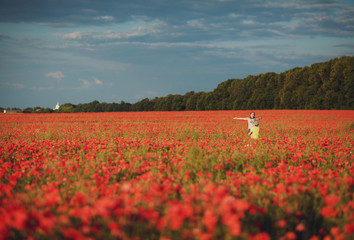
(349, 228)
(209, 220)
(331, 200)
(261, 236)
(328, 211)
(233, 223)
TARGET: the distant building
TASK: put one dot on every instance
(56, 106)
(13, 111)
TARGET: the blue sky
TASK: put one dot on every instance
(77, 51)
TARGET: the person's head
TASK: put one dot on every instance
(252, 115)
(256, 123)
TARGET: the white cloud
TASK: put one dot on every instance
(234, 15)
(86, 83)
(197, 24)
(117, 31)
(90, 38)
(344, 45)
(249, 22)
(97, 81)
(71, 36)
(105, 18)
(56, 75)
(12, 84)
(137, 29)
(119, 35)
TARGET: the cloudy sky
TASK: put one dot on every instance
(77, 51)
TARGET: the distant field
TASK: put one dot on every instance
(177, 175)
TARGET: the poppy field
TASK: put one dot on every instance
(177, 175)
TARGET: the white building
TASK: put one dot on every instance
(56, 106)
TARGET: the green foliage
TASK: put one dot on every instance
(66, 108)
(37, 110)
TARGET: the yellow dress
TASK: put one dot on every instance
(255, 132)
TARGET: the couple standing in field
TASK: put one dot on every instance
(253, 125)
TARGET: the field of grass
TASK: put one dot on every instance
(177, 175)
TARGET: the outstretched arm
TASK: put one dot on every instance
(240, 118)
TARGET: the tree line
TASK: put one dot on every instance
(327, 85)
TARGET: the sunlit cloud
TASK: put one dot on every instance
(87, 84)
(97, 81)
(114, 32)
(55, 75)
(73, 36)
(105, 18)
(138, 29)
